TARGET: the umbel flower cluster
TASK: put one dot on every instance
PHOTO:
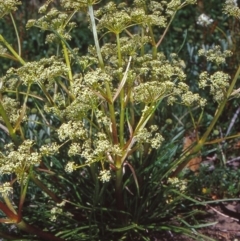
(231, 8)
(106, 105)
(20, 160)
(8, 6)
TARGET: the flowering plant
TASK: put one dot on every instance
(103, 105)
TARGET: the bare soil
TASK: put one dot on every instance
(227, 228)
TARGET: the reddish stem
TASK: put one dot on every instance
(33, 230)
(13, 217)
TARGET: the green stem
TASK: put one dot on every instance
(118, 161)
(122, 105)
(112, 114)
(7, 123)
(142, 47)
(166, 30)
(24, 187)
(23, 110)
(221, 31)
(69, 18)
(146, 116)
(192, 117)
(119, 50)
(46, 94)
(12, 50)
(122, 115)
(24, 93)
(66, 56)
(118, 191)
(8, 56)
(154, 46)
(72, 97)
(16, 31)
(150, 30)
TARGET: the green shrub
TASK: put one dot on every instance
(89, 139)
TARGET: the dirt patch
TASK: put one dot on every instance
(227, 228)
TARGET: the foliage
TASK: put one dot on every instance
(88, 138)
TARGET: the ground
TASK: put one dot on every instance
(227, 228)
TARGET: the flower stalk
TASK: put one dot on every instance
(15, 54)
